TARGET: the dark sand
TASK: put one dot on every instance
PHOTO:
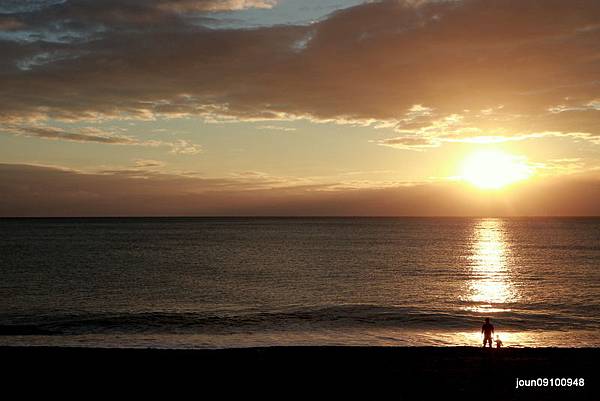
(312, 372)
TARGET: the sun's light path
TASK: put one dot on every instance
(490, 286)
(494, 169)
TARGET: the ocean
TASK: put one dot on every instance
(240, 282)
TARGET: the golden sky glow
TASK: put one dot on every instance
(300, 107)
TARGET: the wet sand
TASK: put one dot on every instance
(373, 372)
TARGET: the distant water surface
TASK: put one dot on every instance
(235, 282)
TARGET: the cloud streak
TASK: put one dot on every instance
(98, 136)
(87, 135)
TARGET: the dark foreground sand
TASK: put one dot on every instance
(310, 372)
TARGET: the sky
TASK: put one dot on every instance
(299, 107)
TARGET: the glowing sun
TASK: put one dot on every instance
(493, 169)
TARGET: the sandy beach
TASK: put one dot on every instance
(405, 373)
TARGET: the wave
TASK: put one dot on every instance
(286, 319)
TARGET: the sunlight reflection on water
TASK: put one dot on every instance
(490, 286)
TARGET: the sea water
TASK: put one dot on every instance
(238, 282)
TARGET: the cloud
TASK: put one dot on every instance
(148, 164)
(276, 128)
(85, 135)
(19, 6)
(565, 166)
(122, 9)
(98, 136)
(409, 142)
(75, 22)
(9, 24)
(213, 5)
(492, 125)
(435, 71)
(183, 147)
(30, 190)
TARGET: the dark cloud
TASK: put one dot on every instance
(47, 191)
(85, 20)
(94, 135)
(81, 9)
(373, 61)
(9, 24)
(90, 136)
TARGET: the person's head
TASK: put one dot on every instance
(487, 319)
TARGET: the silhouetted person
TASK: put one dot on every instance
(488, 332)
(498, 342)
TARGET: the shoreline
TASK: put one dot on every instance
(467, 371)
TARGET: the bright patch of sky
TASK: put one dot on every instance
(286, 12)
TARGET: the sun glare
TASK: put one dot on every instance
(493, 169)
